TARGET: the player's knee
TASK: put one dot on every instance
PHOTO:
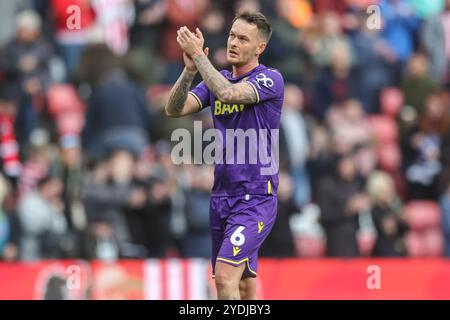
(225, 282)
(247, 289)
(242, 286)
(244, 291)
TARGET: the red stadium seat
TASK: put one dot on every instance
(384, 128)
(389, 157)
(422, 214)
(434, 241)
(391, 101)
(310, 246)
(63, 98)
(426, 243)
(366, 241)
(70, 122)
(415, 246)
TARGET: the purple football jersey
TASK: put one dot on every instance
(238, 172)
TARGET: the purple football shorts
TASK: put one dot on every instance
(239, 226)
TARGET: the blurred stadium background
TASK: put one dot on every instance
(92, 206)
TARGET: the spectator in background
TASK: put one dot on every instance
(286, 53)
(107, 192)
(351, 132)
(387, 216)
(341, 199)
(9, 98)
(146, 28)
(113, 17)
(422, 149)
(71, 156)
(294, 142)
(117, 115)
(434, 39)
(98, 240)
(400, 26)
(213, 25)
(320, 158)
(179, 13)
(348, 124)
(197, 240)
(335, 83)
(145, 35)
(150, 224)
(38, 163)
(9, 225)
(42, 220)
(372, 57)
(71, 38)
(416, 83)
(280, 243)
(28, 55)
(328, 36)
(9, 10)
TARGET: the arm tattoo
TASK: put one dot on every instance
(222, 89)
(179, 92)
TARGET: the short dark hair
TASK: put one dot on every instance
(258, 19)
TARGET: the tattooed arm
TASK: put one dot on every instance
(223, 89)
(180, 102)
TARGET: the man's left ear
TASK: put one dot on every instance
(261, 47)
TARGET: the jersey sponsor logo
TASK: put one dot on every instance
(236, 250)
(264, 80)
(260, 226)
(221, 108)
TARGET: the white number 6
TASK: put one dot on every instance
(237, 238)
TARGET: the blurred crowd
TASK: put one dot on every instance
(85, 150)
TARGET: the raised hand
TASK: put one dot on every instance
(190, 43)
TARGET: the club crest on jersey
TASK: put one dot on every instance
(264, 80)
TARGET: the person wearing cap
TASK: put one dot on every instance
(27, 56)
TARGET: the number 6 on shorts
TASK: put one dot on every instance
(237, 238)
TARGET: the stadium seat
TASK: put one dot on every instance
(422, 214)
(70, 122)
(415, 246)
(434, 241)
(425, 243)
(384, 128)
(366, 241)
(389, 157)
(63, 98)
(391, 101)
(309, 246)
